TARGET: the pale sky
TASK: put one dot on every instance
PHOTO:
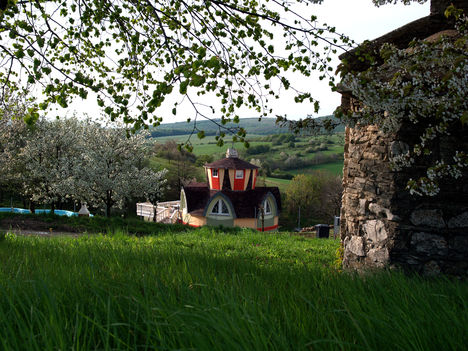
(359, 19)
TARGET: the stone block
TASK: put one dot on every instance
(352, 227)
(431, 268)
(355, 245)
(359, 181)
(372, 128)
(429, 244)
(460, 244)
(412, 260)
(375, 231)
(379, 210)
(378, 256)
(362, 206)
(370, 187)
(428, 218)
(371, 155)
(460, 221)
(381, 149)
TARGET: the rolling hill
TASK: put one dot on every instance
(266, 126)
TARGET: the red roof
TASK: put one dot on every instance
(231, 163)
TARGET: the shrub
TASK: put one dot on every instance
(257, 149)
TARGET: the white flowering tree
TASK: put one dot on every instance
(60, 160)
(424, 88)
(13, 135)
(49, 157)
(111, 169)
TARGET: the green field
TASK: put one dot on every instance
(282, 184)
(335, 168)
(301, 149)
(206, 290)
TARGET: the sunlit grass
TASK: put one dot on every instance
(207, 290)
(334, 168)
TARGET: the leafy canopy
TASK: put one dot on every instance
(137, 55)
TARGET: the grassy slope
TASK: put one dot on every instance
(282, 184)
(207, 146)
(209, 291)
(335, 168)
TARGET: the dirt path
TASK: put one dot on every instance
(47, 234)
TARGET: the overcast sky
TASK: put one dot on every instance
(359, 19)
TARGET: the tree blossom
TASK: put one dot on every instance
(425, 86)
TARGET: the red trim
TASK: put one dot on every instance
(239, 182)
(254, 178)
(266, 229)
(191, 225)
(215, 180)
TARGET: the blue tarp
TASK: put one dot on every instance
(38, 211)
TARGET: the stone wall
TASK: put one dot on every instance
(383, 225)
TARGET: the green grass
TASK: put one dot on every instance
(335, 168)
(208, 148)
(282, 184)
(204, 290)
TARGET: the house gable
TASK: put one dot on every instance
(208, 211)
(219, 211)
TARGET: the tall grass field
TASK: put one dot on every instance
(205, 290)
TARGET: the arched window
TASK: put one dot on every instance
(266, 207)
(220, 208)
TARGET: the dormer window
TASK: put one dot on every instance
(239, 174)
(220, 208)
(214, 173)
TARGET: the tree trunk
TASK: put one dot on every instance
(108, 203)
(52, 207)
(32, 206)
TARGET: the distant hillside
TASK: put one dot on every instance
(266, 126)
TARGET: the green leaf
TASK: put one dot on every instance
(183, 87)
(464, 118)
(19, 53)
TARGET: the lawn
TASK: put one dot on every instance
(206, 290)
(282, 184)
(334, 168)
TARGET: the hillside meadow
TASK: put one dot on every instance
(211, 290)
(280, 159)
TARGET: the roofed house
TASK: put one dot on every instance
(230, 197)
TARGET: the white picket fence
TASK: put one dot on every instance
(166, 212)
